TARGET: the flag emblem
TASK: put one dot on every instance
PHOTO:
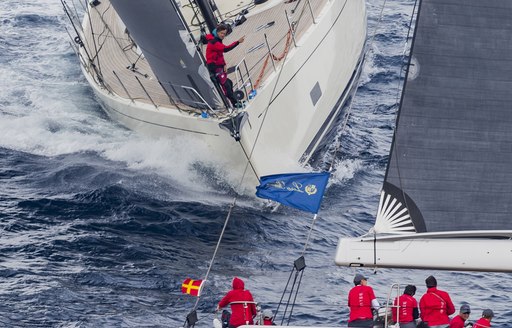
(191, 287)
(310, 189)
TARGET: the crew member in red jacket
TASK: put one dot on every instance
(361, 300)
(215, 59)
(242, 304)
(436, 305)
(268, 318)
(485, 320)
(408, 308)
(459, 320)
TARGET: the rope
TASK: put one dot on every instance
(309, 235)
(283, 56)
(217, 246)
(315, 216)
(276, 58)
(397, 102)
(349, 110)
(247, 164)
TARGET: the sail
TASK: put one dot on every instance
(450, 166)
(158, 30)
(447, 194)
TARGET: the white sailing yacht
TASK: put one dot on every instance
(295, 73)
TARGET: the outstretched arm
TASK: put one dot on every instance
(234, 44)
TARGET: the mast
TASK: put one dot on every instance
(205, 6)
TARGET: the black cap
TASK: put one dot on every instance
(465, 309)
(431, 282)
(410, 290)
(358, 277)
(488, 313)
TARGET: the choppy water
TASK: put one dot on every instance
(101, 225)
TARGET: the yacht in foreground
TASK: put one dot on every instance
(295, 73)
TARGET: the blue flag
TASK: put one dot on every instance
(300, 190)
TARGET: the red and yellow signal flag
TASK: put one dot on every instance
(192, 287)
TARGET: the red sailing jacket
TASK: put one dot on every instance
(407, 304)
(481, 323)
(268, 322)
(241, 314)
(360, 302)
(436, 306)
(457, 322)
(215, 51)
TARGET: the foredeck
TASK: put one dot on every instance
(126, 73)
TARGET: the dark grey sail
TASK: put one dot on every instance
(158, 30)
(451, 157)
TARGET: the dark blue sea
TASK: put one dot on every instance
(100, 225)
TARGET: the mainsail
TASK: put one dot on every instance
(449, 174)
(159, 31)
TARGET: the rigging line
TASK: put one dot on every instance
(349, 110)
(81, 4)
(375, 251)
(262, 121)
(217, 247)
(289, 297)
(282, 295)
(309, 235)
(241, 180)
(248, 162)
(395, 152)
(298, 20)
(66, 10)
(76, 15)
(116, 39)
(295, 297)
(74, 7)
(93, 40)
(267, 107)
(404, 51)
(100, 35)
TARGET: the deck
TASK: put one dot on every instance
(114, 52)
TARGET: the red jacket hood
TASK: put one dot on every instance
(238, 283)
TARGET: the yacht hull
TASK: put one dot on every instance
(294, 109)
(459, 251)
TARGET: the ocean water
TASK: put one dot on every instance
(100, 225)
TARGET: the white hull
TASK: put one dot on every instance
(329, 55)
(467, 251)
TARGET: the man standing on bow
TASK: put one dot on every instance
(436, 305)
(361, 300)
(459, 320)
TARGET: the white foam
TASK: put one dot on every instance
(48, 109)
(346, 169)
